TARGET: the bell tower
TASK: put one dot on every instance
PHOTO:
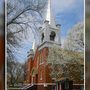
(50, 31)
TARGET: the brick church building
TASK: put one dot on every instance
(37, 70)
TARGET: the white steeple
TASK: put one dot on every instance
(49, 15)
(49, 32)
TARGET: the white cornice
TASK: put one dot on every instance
(48, 44)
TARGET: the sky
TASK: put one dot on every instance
(1, 6)
(67, 13)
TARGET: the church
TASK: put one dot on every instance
(38, 72)
(37, 69)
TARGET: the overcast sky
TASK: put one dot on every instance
(67, 13)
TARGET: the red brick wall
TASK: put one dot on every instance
(29, 66)
(42, 68)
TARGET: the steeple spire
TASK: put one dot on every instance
(49, 15)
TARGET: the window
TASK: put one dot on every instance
(41, 75)
(52, 36)
(42, 37)
(41, 59)
(37, 61)
(32, 80)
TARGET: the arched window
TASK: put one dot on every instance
(42, 37)
(41, 75)
(52, 36)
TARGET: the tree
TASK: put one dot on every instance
(65, 63)
(22, 16)
(15, 73)
(55, 61)
(74, 70)
(75, 38)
